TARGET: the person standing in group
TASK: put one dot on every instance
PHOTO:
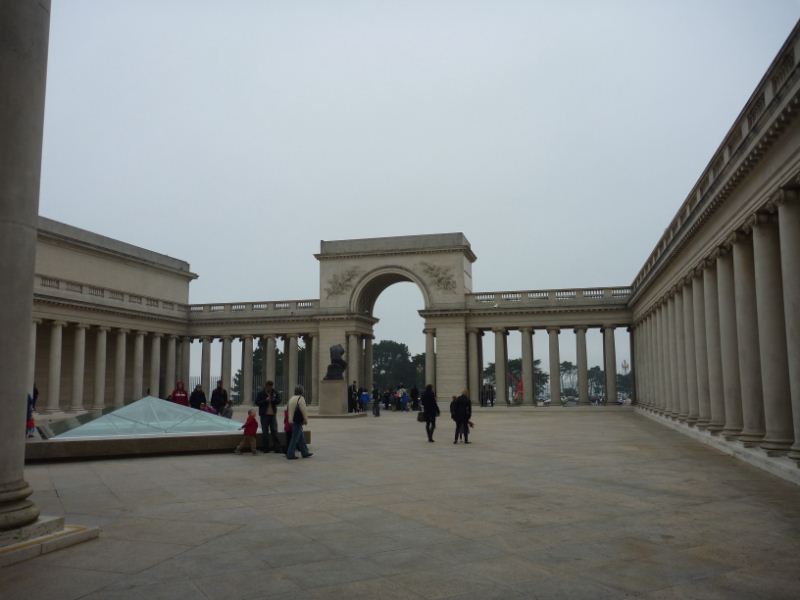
(219, 397)
(376, 402)
(414, 398)
(179, 395)
(296, 409)
(198, 397)
(430, 409)
(267, 401)
(352, 398)
(461, 410)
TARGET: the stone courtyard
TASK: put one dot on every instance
(545, 503)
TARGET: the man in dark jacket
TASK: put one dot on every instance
(219, 397)
(462, 413)
(430, 410)
(198, 397)
(267, 401)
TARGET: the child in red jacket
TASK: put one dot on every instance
(250, 427)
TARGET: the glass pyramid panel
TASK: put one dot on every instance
(152, 416)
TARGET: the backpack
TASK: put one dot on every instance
(297, 417)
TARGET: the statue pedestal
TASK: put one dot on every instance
(333, 397)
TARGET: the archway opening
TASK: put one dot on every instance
(398, 351)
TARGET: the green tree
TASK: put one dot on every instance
(597, 381)
(569, 378)
(514, 373)
(392, 364)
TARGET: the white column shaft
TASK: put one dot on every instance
(500, 355)
(430, 357)
(729, 345)
(247, 370)
(527, 366)
(100, 340)
(789, 226)
(169, 374)
(689, 354)
(714, 349)
(119, 368)
(155, 365)
(54, 371)
(555, 367)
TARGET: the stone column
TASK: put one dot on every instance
(169, 374)
(632, 345)
(354, 353)
(99, 397)
(186, 362)
(78, 367)
(138, 365)
(713, 348)
(555, 366)
(32, 356)
(749, 353)
(155, 365)
(527, 366)
(673, 389)
(226, 363)
(54, 373)
(583, 365)
(689, 353)
(315, 357)
(247, 370)
(500, 361)
(610, 354)
(474, 367)
(779, 432)
(729, 344)
(309, 371)
(368, 363)
(119, 368)
(293, 364)
(680, 356)
(269, 358)
(23, 65)
(430, 357)
(700, 350)
(662, 358)
(789, 226)
(205, 365)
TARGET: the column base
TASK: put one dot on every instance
(702, 424)
(715, 428)
(776, 447)
(15, 509)
(750, 439)
(794, 454)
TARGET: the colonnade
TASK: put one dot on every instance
(168, 360)
(475, 358)
(720, 349)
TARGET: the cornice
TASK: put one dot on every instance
(465, 250)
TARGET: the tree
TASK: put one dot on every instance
(597, 381)
(569, 378)
(392, 364)
(514, 373)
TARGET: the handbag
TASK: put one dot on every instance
(297, 416)
(421, 417)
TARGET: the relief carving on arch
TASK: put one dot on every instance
(339, 283)
(442, 277)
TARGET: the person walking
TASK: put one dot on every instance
(462, 413)
(267, 401)
(296, 409)
(430, 410)
(250, 428)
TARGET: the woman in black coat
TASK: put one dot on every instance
(462, 413)
(430, 409)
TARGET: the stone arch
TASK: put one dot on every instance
(372, 284)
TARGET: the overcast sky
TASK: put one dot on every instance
(560, 136)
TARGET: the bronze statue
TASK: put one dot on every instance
(338, 364)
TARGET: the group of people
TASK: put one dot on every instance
(295, 416)
(460, 412)
(399, 399)
(220, 403)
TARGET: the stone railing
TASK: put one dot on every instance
(67, 289)
(549, 298)
(739, 151)
(238, 310)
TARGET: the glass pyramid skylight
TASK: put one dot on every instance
(152, 416)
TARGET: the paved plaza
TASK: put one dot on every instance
(545, 503)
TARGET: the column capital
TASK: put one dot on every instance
(81, 326)
(429, 330)
(578, 328)
(611, 327)
(226, 338)
(156, 335)
(247, 336)
(36, 321)
(553, 329)
(785, 196)
(501, 330)
(171, 336)
(103, 328)
(141, 333)
(58, 323)
(123, 331)
(528, 330)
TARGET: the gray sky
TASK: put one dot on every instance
(560, 137)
